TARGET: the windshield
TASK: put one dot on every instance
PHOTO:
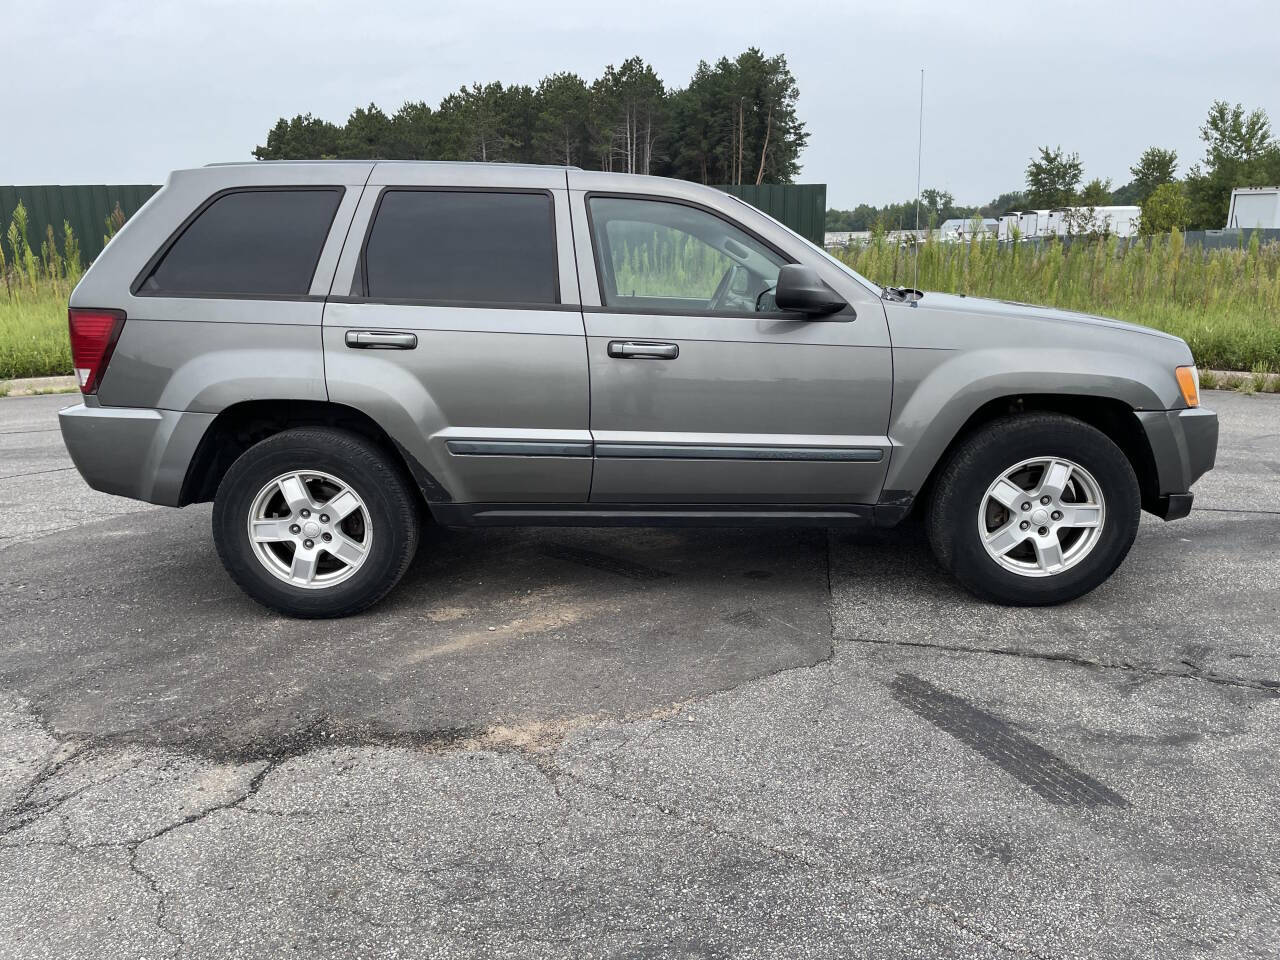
(872, 287)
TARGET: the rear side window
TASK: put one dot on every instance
(249, 243)
(462, 246)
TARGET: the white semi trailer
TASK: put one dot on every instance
(1028, 224)
(1253, 208)
(1118, 221)
(1006, 225)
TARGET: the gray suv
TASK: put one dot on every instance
(333, 351)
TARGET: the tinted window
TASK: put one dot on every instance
(263, 242)
(670, 256)
(462, 246)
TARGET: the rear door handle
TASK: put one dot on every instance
(380, 340)
(642, 349)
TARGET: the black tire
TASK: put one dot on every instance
(952, 521)
(389, 498)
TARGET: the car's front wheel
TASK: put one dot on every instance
(1034, 509)
(316, 522)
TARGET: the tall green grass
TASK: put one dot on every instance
(33, 337)
(657, 261)
(36, 277)
(1225, 303)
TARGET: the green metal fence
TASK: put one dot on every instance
(84, 206)
(801, 206)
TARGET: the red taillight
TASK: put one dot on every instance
(93, 336)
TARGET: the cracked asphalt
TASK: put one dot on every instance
(636, 743)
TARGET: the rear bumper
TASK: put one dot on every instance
(1184, 444)
(133, 452)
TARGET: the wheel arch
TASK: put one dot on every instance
(238, 427)
(1112, 416)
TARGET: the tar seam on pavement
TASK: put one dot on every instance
(1049, 776)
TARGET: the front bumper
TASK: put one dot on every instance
(1184, 444)
(1173, 506)
(132, 452)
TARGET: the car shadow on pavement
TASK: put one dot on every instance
(532, 630)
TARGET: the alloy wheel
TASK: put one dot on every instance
(310, 529)
(1041, 517)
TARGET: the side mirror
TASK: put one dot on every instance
(800, 288)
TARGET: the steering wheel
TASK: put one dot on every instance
(722, 289)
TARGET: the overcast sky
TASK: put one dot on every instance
(121, 92)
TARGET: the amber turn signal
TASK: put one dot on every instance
(1189, 381)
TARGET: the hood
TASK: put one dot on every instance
(1013, 310)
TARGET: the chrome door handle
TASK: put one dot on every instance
(642, 350)
(380, 340)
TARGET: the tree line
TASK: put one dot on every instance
(1240, 151)
(734, 122)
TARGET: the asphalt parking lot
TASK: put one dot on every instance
(636, 743)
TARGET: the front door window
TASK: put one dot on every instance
(662, 256)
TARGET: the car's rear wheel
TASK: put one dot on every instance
(1034, 509)
(316, 522)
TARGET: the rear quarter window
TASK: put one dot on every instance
(248, 243)
(462, 246)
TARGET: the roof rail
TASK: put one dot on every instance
(443, 163)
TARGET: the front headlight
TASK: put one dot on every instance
(1189, 382)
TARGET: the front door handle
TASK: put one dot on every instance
(642, 350)
(381, 340)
